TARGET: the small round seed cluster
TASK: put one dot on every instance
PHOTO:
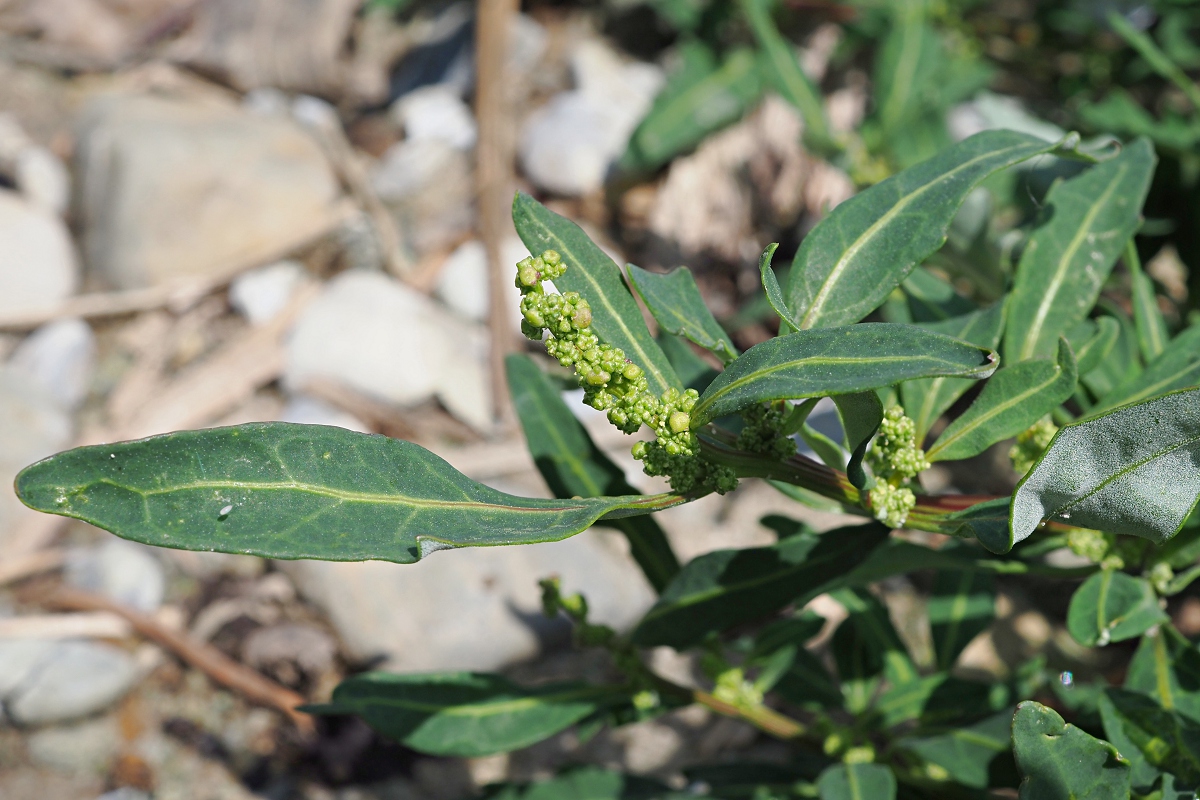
(895, 459)
(1031, 444)
(761, 432)
(614, 384)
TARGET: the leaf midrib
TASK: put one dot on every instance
(479, 710)
(972, 425)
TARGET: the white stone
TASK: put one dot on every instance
(262, 293)
(61, 357)
(72, 680)
(436, 112)
(463, 281)
(43, 179)
(18, 657)
(171, 188)
(127, 572)
(473, 608)
(311, 411)
(85, 747)
(568, 145)
(427, 184)
(38, 268)
(389, 342)
(32, 426)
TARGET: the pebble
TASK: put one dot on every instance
(61, 357)
(262, 293)
(173, 187)
(18, 657)
(84, 747)
(38, 268)
(282, 650)
(32, 426)
(307, 410)
(125, 793)
(127, 572)
(43, 179)
(427, 185)
(436, 112)
(73, 679)
(463, 282)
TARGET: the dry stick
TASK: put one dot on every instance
(22, 565)
(212, 662)
(494, 176)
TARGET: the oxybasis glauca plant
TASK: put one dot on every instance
(1105, 410)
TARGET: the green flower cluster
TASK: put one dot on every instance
(1031, 444)
(895, 459)
(614, 384)
(761, 433)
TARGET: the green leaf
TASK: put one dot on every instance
(987, 522)
(853, 258)
(675, 302)
(1060, 761)
(1017, 396)
(574, 467)
(786, 74)
(867, 649)
(1147, 316)
(907, 63)
(1123, 363)
(1166, 668)
(1111, 606)
(463, 713)
(800, 676)
(971, 755)
(1093, 341)
(279, 490)
(927, 399)
(1177, 367)
(1086, 222)
(1148, 732)
(961, 606)
(846, 360)
(931, 299)
(724, 588)
(587, 783)
(702, 97)
(857, 782)
(1132, 470)
(693, 371)
(756, 780)
(807, 683)
(771, 286)
(616, 318)
(861, 416)
(940, 699)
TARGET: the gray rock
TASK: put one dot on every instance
(18, 657)
(32, 426)
(43, 179)
(307, 410)
(463, 282)
(128, 572)
(61, 357)
(290, 651)
(125, 793)
(568, 144)
(474, 608)
(392, 343)
(172, 188)
(38, 268)
(86, 747)
(73, 679)
(436, 112)
(427, 184)
(262, 293)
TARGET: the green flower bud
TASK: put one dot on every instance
(680, 421)
(632, 371)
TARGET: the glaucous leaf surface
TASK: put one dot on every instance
(861, 415)
(721, 589)
(1111, 606)
(853, 258)
(1086, 222)
(1145, 731)
(463, 714)
(279, 490)
(1059, 761)
(1017, 396)
(675, 303)
(1132, 470)
(977, 755)
(1092, 341)
(857, 782)
(573, 466)
(927, 399)
(988, 522)
(1177, 367)
(846, 360)
(616, 318)
(961, 606)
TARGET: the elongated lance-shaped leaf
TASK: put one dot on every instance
(961, 607)
(702, 97)
(675, 302)
(861, 415)
(1092, 342)
(1058, 760)
(908, 60)
(574, 467)
(279, 490)
(1123, 362)
(464, 714)
(854, 358)
(774, 292)
(785, 73)
(588, 783)
(1145, 731)
(1133, 470)
(1111, 606)
(853, 258)
(1017, 396)
(857, 782)
(721, 589)
(1166, 668)
(1147, 316)
(939, 699)
(971, 755)
(1176, 368)
(616, 318)
(1086, 223)
(927, 399)
(866, 649)
(931, 299)
(987, 522)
